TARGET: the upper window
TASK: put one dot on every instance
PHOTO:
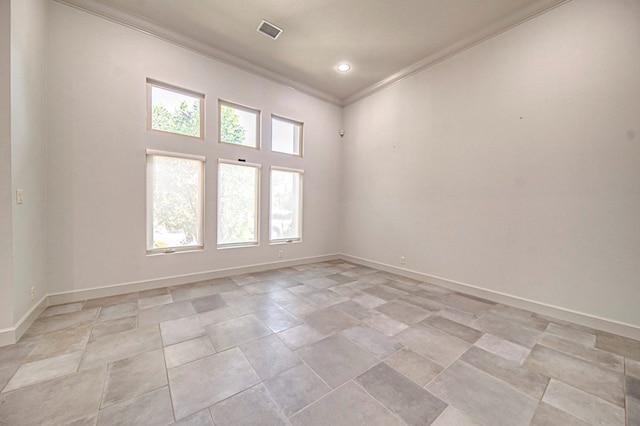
(286, 136)
(285, 213)
(175, 110)
(175, 196)
(238, 189)
(239, 125)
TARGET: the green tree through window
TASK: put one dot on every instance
(184, 119)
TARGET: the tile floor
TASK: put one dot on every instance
(326, 343)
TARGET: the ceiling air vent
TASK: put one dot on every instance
(269, 29)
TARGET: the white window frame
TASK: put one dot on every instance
(258, 168)
(300, 205)
(166, 86)
(245, 108)
(297, 123)
(149, 188)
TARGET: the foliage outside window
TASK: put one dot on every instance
(175, 110)
(238, 189)
(286, 136)
(239, 125)
(285, 213)
(175, 202)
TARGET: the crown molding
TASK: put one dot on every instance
(505, 24)
(156, 30)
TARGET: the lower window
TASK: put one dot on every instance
(175, 185)
(238, 189)
(285, 212)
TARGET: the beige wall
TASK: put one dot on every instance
(513, 167)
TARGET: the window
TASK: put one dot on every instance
(285, 218)
(238, 189)
(286, 136)
(175, 186)
(174, 110)
(239, 125)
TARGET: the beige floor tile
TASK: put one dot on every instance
(404, 398)
(43, 370)
(161, 313)
(104, 302)
(583, 405)
(548, 415)
(336, 360)
(454, 417)
(299, 336)
(237, 331)
(330, 320)
(377, 343)
(458, 330)
(507, 329)
(437, 345)
(62, 321)
(526, 381)
(590, 354)
(403, 312)
(59, 401)
(134, 376)
(483, 397)
(277, 319)
(106, 328)
(209, 380)
(269, 356)
(503, 348)
(414, 366)
(121, 345)
(580, 337)
(466, 304)
(62, 309)
(153, 408)
(122, 310)
(632, 368)
(72, 339)
(187, 351)
(583, 375)
(296, 388)
(201, 418)
(623, 346)
(254, 406)
(156, 300)
(384, 324)
(181, 329)
(337, 409)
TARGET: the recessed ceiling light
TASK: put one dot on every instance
(344, 67)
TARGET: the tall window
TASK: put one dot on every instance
(239, 125)
(175, 196)
(286, 136)
(285, 213)
(238, 189)
(174, 110)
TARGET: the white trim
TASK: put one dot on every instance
(148, 27)
(9, 336)
(248, 109)
(604, 324)
(176, 155)
(528, 13)
(123, 288)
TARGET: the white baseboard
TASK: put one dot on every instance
(9, 336)
(12, 335)
(581, 318)
(123, 288)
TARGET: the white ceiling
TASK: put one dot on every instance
(383, 40)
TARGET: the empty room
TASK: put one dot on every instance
(278, 212)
